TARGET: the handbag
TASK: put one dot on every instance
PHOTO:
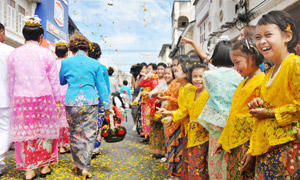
(153, 104)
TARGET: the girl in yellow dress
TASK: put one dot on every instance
(191, 101)
(237, 131)
(277, 108)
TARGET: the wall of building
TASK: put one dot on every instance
(181, 9)
(12, 13)
(164, 54)
(166, 58)
(209, 16)
(54, 15)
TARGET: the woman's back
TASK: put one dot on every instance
(221, 84)
(33, 71)
(83, 75)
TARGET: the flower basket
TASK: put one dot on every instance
(113, 132)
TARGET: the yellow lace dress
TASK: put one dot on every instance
(195, 140)
(284, 94)
(238, 128)
(237, 131)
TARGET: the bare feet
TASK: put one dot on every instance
(45, 170)
(75, 168)
(30, 174)
(63, 150)
(86, 174)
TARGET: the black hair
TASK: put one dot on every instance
(221, 55)
(32, 32)
(162, 64)
(110, 71)
(125, 83)
(184, 66)
(154, 67)
(184, 58)
(94, 51)
(175, 57)
(143, 64)
(2, 27)
(249, 31)
(248, 47)
(269, 64)
(282, 19)
(193, 67)
(196, 58)
(135, 70)
(61, 51)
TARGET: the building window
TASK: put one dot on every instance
(11, 14)
(203, 30)
(21, 14)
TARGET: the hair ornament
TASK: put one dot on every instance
(32, 21)
(247, 44)
(60, 42)
(288, 28)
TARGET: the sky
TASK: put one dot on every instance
(129, 31)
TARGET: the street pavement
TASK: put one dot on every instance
(128, 159)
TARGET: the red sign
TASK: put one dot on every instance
(58, 13)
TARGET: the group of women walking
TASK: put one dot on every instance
(44, 112)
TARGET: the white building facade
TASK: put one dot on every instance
(224, 18)
(12, 13)
(164, 53)
(183, 18)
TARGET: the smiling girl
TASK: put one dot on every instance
(278, 105)
(173, 131)
(191, 100)
(237, 132)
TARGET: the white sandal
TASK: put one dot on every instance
(163, 160)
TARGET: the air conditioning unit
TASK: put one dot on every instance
(213, 24)
(227, 14)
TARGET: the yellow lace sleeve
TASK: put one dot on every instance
(182, 110)
(288, 113)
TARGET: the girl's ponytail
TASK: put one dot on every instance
(247, 46)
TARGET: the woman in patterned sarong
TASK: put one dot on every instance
(83, 76)
(34, 93)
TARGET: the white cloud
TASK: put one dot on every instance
(123, 40)
(127, 26)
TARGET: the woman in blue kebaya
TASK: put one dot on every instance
(86, 84)
(95, 53)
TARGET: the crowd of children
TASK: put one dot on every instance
(222, 116)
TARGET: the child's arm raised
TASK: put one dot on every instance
(198, 50)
